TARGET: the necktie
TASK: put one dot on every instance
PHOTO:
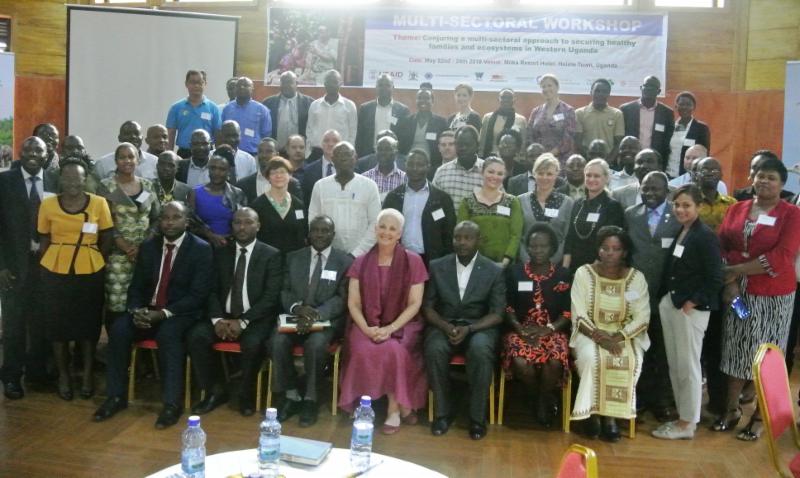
(314, 282)
(35, 202)
(329, 170)
(237, 300)
(163, 282)
(653, 221)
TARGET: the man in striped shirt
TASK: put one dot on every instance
(460, 177)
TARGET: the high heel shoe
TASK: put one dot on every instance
(752, 431)
(727, 421)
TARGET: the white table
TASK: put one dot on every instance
(336, 465)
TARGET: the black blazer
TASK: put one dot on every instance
(303, 103)
(189, 282)
(659, 139)
(312, 172)
(183, 170)
(15, 221)
(697, 274)
(264, 275)
(248, 187)
(407, 127)
(485, 292)
(285, 234)
(699, 132)
(365, 135)
(437, 235)
(370, 161)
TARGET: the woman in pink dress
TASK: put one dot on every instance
(383, 349)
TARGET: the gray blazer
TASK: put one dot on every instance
(485, 292)
(650, 252)
(331, 297)
(627, 195)
(560, 223)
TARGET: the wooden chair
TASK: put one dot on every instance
(236, 348)
(566, 399)
(152, 346)
(334, 349)
(775, 404)
(578, 462)
(460, 359)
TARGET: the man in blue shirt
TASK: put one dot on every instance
(254, 119)
(192, 113)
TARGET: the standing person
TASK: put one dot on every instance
(446, 145)
(629, 147)
(48, 133)
(282, 220)
(157, 139)
(652, 122)
(755, 163)
(257, 184)
(464, 114)
(496, 212)
(253, 118)
(130, 132)
(378, 115)
(694, 279)
(646, 161)
(574, 187)
(21, 192)
(553, 124)
(689, 132)
(244, 164)
(694, 154)
(288, 109)
(386, 174)
(331, 112)
(75, 232)
(509, 148)
(194, 169)
(524, 181)
(322, 167)
(589, 214)
(371, 160)
(167, 188)
(192, 113)
(598, 148)
(598, 120)
(421, 130)
(502, 119)
(230, 88)
(321, 56)
(459, 178)
(295, 150)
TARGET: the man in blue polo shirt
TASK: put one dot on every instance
(192, 113)
(254, 119)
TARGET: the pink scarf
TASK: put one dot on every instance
(381, 311)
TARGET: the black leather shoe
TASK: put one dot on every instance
(610, 431)
(13, 389)
(288, 409)
(591, 427)
(308, 414)
(209, 403)
(477, 430)
(169, 416)
(246, 407)
(109, 408)
(440, 426)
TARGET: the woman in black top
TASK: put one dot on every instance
(284, 225)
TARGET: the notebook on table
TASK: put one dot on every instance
(303, 450)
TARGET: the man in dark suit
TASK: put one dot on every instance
(422, 129)
(289, 109)
(369, 161)
(242, 307)
(657, 118)
(314, 290)
(429, 212)
(21, 191)
(464, 302)
(378, 115)
(257, 184)
(167, 187)
(164, 303)
(322, 167)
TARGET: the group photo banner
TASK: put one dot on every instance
(489, 50)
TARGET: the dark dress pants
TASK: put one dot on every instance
(168, 334)
(480, 349)
(654, 390)
(315, 356)
(716, 380)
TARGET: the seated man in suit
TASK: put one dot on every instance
(257, 184)
(242, 307)
(168, 188)
(369, 161)
(464, 302)
(377, 115)
(646, 160)
(421, 130)
(168, 292)
(314, 289)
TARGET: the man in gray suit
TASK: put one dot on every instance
(464, 303)
(646, 160)
(314, 288)
(653, 227)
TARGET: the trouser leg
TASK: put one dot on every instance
(121, 332)
(206, 370)
(481, 357)
(437, 362)
(169, 337)
(315, 356)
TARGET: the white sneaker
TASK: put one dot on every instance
(671, 431)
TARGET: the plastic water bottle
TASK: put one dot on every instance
(269, 444)
(361, 440)
(193, 454)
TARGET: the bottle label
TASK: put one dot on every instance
(269, 450)
(362, 433)
(193, 462)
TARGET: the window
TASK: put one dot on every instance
(5, 34)
(585, 3)
(449, 3)
(340, 3)
(691, 3)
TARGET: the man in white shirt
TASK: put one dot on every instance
(381, 114)
(694, 153)
(332, 111)
(129, 132)
(629, 147)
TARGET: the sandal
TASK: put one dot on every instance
(752, 431)
(727, 421)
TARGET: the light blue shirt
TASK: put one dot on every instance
(254, 121)
(413, 204)
(196, 175)
(185, 118)
(654, 217)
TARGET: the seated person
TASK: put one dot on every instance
(242, 308)
(464, 303)
(314, 289)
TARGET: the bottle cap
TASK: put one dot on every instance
(366, 401)
(194, 421)
(272, 413)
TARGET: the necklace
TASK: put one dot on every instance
(537, 278)
(594, 224)
(166, 196)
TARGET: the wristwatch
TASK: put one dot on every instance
(551, 326)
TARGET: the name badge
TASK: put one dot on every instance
(550, 212)
(610, 122)
(666, 242)
(558, 117)
(437, 214)
(593, 217)
(678, 252)
(143, 197)
(299, 214)
(688, 142)
(89, 228)
(525, 286)
(504, 210)
(205, 116)
(393, 120)
(659, 127)
(249, 132)
(766, 220)
(328, 275)
(430, 136)
(631, 295)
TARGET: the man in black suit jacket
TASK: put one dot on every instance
(19, 267)
(391, 113)
(322, 167)
(663, 119)
(407, 129)
(464, 302)
(164, 303)
(429, 231)
(288, 97)
(323, 302)
(242, 312)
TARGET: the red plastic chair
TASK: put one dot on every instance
(297, 351)
(460, 359)
(152, 346)
(236, 348)
(775, 404)
(578, 462)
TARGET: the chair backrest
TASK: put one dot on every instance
(578, 462)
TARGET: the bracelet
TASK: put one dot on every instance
(551, 326)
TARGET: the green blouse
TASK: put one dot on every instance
(500, 224)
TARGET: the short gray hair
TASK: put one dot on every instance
(394, 214)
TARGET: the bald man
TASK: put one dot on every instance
(129, 132)
(693, 155)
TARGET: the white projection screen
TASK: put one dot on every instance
(130, 64)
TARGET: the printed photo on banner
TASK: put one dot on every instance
(6, 108)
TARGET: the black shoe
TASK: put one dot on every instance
(246, 407)
(610, 431)
(440, 425)
(212, 401)
(109, 408)
(591, 427)
(288, 409)
(308, 414)
(727, 421)
(665, 414)
(169, 416)
(13, 389)
(477, 430)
